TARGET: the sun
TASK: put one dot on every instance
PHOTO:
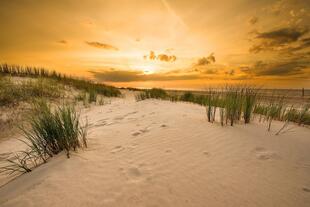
(147, 68)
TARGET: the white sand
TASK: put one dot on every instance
(158, 153)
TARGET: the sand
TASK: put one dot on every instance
(159, 153)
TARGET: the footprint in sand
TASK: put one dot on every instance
(144, 130)
(141, 131)
(206, 153)
(163, 126)
(134, 173)
(262, 154)
(119, 118)
(117, 149)
(103, 123)
(134, 112)
(305, 189)
(135, 134)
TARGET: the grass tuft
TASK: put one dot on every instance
(51, 132)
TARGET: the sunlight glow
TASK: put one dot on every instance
(147, 68)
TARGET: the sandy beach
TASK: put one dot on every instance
(159, 153)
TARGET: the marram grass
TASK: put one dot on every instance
(49, 133)
(80, 84)
(237, 104)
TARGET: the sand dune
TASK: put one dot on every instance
(158, 153)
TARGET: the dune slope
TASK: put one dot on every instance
(158, 153)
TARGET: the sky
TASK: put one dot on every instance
(175, 44)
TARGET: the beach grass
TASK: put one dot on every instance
(48, 132)
(80, 84)
(236, 104)
(13, 92)
(154, 93)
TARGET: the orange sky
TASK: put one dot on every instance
(162, 43)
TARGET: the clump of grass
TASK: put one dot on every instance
(188, 97)
(232, 102)
(250, 98)
(260, 109)
(156, 93)
(140, 96)
(51, 131)
(174, 98)
(287, 118)
(55, 131)
(92, 96)
(302, 116)
(274, 110)
(210, 105)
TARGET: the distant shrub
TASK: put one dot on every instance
(156, 93)
(188, 97)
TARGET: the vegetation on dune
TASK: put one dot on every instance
(11, 93)
(51, 132)
(48, 130)
(80, 84)
(238, 103)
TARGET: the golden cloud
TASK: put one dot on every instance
(161, 57)
(102, 45)
(205, 60)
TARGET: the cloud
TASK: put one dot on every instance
(304, 43)
(131, 76)
(152, 55)
(277, 40)
(277, 7)
(166, 58)
(288, 68)
(253, 20)
(102, 45)
(160, 57)
(205, 60)
(62, 42)
(284, 35)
